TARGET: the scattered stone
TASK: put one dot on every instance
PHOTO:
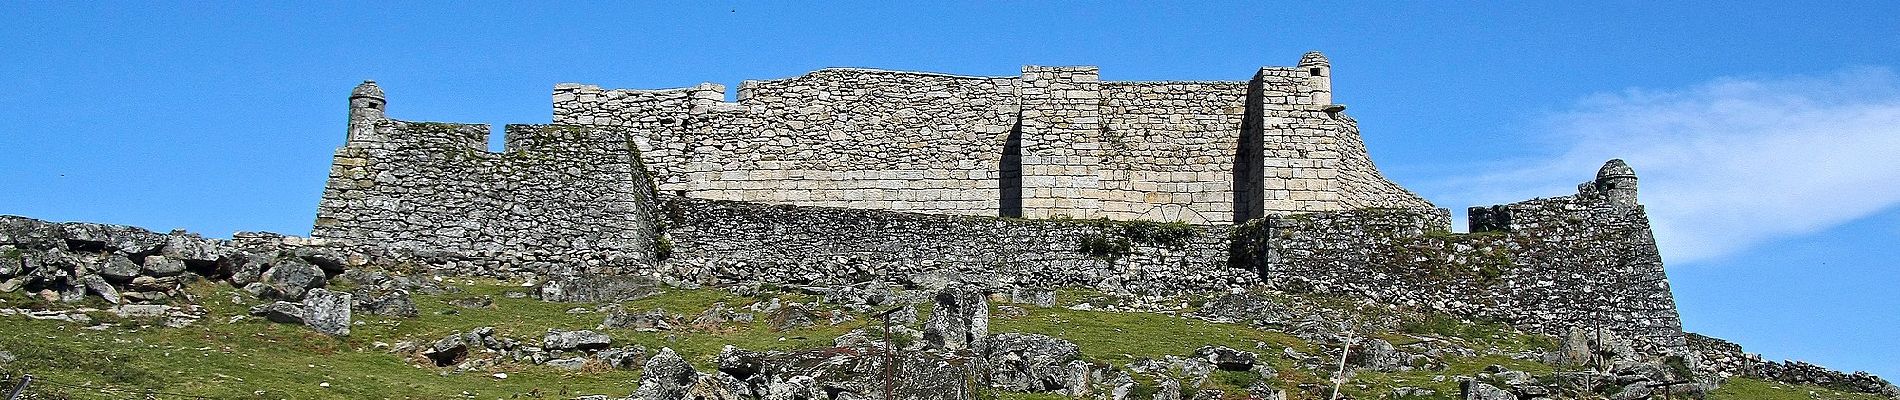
(1378, 355)
(162, 266)
(282, 312)
(626, 357)
(1027, 362)
(1227, 358)
(575, 340)
(119, 268)
(142, 311)
(450, 350)
(474, 302)
(395, 303)
(596, 289)
(961, 318)
(98, 285)
(653, 320)
(666, 376)
(566, 363)
(327, 311)
(289, 278)
(791, 316)
(1474, 390)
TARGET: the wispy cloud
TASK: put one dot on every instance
(1727, 164)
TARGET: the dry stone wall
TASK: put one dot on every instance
(1576, 261)
(722, 242)
(558, 192)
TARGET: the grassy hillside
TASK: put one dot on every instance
(229, 355)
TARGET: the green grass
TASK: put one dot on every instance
(252, 358)
(1755, 389)
(238, 360)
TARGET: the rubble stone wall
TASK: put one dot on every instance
(724, 242)
(558, 190)
(1723, 359)
(1575, 261)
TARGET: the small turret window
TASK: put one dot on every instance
(1313, 71)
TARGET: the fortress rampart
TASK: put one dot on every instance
(1049, 179)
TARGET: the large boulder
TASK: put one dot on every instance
(575, 340)
(961, 318)
(1246, 307)
(844, 373)
(1227, 358)
(1474, 390)
(597, 288)
(282, 312)
(119, 268)
(393, 303)
(327, 311)
(290, 277)
(1379, 355)
(98, 285)
(665, 377)
(1028, 362)
(162, 266)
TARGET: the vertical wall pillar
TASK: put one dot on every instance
(1061, 142)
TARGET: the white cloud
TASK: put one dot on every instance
(1728, 164)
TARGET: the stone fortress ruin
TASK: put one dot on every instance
(1053, 178)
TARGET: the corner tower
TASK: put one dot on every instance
(366, 109)
(1617, 183)
(1319, 76)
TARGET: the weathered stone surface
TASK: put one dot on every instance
(575, 340)
(596, 289)
(626, 357)
(1379, 355)
(327, 311)
(1027, 362)
(290, 277)
(960, 319)
(99, 286)
(395, 303)
(118, 268)
(162, 266)
(1227, 358)
(1472, 390)
(665, 377)
(651, 320)
(282, 312)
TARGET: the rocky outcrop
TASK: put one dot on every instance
(1027, 362)
(328, 312)
(960, 320)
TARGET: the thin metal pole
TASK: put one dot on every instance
(24, 380)
(1340, 378)
(889, 355)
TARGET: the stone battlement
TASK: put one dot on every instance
(1052, 178)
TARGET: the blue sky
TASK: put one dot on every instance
(1765, 132)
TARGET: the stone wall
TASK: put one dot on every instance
(557, 192)
(719, 242)
(1052, 142)
(1576, 261)
(1720, 358)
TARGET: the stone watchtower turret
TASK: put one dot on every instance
(1319, 74)
(1617, 183)
(366, 109)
